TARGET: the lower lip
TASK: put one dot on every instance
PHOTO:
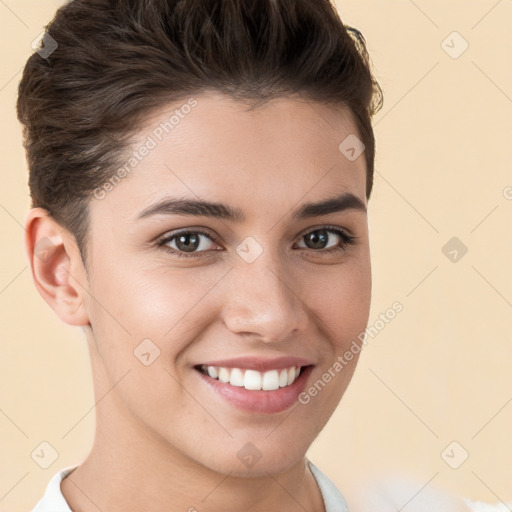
(262, 402)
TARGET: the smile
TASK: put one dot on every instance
(253, 380)
(255, 385)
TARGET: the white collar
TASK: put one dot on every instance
(54, 501)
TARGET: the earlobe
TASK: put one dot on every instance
(57, 269)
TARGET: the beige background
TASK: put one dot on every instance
(440, 371)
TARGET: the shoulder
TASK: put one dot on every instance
(333, 499)
(391, 494)
(53, 500)
(478, 506)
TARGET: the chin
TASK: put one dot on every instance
(250, 462)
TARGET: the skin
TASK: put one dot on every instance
(163, 440)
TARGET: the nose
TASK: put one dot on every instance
(265, 299)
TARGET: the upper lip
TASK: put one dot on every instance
(260, 364)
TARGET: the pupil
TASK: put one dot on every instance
(318, 238)
(186, 240)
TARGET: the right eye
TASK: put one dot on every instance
(187, 243)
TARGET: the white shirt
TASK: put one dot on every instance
(54, 501)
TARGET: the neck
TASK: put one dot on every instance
(131, 469)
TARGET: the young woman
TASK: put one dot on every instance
(200, 173)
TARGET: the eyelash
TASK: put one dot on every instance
(347, 240)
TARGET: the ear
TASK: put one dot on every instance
(57, 268)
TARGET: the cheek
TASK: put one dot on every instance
(342, 299)
(149, 296)
(170, 303)
(143, 320)
(130, 304)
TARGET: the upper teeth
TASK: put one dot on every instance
(252, 379)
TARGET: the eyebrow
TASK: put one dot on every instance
(183, 206)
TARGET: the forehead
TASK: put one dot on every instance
(214, 147)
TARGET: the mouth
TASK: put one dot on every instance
(253, 380)
(256, 386)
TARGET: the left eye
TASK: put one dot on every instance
(319, 239)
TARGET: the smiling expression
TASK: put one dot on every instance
(237, 254)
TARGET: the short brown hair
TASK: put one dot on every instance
(116, 61)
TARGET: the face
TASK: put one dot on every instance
(215, 323)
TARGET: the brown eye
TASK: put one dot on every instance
(317, 239)
(327, 240)
(187, 243)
